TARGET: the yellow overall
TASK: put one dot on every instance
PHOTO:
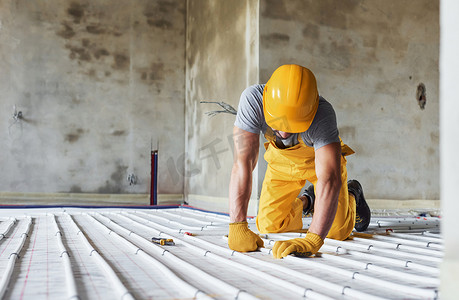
(288, 169)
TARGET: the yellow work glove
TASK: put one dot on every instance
(242, 239)
(301, 246)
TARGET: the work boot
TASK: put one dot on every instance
(363, 214)
(309, 194)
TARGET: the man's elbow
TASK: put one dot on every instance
(333, 180)
(337, 183)
(243, 166)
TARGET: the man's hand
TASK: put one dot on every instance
(302, 246)
(242, 239)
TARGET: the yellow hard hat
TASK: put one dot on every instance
(290, 99)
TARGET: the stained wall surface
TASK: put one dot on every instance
(369, 58)
(222, 59)
(96, 82)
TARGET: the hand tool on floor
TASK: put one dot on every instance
(163, 242)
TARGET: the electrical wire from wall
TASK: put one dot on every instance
(17, 117)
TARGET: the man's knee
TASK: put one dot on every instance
(340, 236)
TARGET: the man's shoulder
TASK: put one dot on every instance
(325, 108)
(252, 97)
(250, 111)
(324, 103)
(254, 91)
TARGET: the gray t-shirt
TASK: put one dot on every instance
(250, 117)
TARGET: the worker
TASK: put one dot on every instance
(302, 145)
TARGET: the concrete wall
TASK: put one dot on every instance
(95, 81)
(222, 60)
(369, 58)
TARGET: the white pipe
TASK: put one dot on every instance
(370, 266)
(431, 234)
(344, 247)
(405, 219)
(206, 214)
(185, 227)
(384, 251)
(8, 227)
(72, 291)
(435, 255)
(406, 223)
(418, 237)
(381, 270)
(431, 294)
(237, 293)
(365, 278)
(121, 291)
(12, 260)
(417, 291)
(180, 225)
(302, 276)
(367, 247)
(194, 220)
(150, 260)
(387, 260)
(167, 229)
(400, 241)
(294, 288)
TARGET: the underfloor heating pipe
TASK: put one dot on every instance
(408, 264)
(72, 292)
(135, 250)
(369, 248)
(185, 227)
(383, 230)
(206, 215)
(302, 276)
(405, 223)
(407, 219)
(371, 267)
(120, 290)
(305, 292)
(402, 227)
(393, 239)
(399, 261)
(225, 287)
(6, 277)
(343, 246)
(431, 234)
(168, 221)
(382, 270)
(206, 223)
(422, 292)
(435, 240)
(434, 254)
(217, 228)
(405, 289)
(8, 227)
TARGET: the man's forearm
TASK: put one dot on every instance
(239, 192)
(326, 203)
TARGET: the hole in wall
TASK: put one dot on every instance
(421, 95)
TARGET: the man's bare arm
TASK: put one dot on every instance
(245, 159)
(328, 171)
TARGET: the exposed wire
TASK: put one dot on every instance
(226, 108)
(17, 116)
(132, 179)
